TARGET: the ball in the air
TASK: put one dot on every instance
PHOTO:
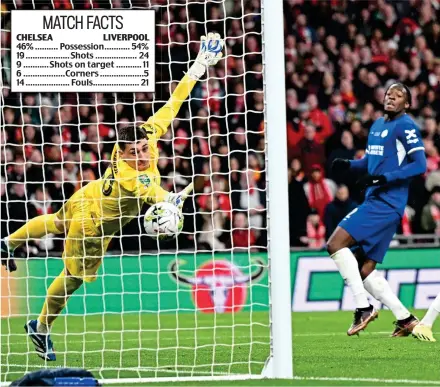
(163, 221)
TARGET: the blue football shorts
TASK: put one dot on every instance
(372, 225)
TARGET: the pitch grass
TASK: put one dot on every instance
(113, 346)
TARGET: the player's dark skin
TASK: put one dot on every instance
(395, 105)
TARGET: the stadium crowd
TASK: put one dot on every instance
(340, 58)
(341, 55)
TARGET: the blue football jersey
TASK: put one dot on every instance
(388, 147)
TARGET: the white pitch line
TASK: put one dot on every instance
(172, 339)
(246, 377)
(368, 380)
(204, 337)
(169, 339)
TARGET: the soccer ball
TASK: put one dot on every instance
(163, 221)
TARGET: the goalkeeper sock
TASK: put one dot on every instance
(380, 289)
(432, 313)
(33, 229)
(58, 293)
(349, 269)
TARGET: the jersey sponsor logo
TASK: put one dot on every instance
(376, 150)
(218, 286)
(145, 180)
(411, 136)
(384, 133)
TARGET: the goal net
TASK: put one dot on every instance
(196, 307)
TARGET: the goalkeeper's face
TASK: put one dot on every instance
(136, 155)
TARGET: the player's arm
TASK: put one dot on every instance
(415, 167)
(209, 54)
(152, 193)
(157, 125)
(360, 165)
(409, 137)
(341, 165)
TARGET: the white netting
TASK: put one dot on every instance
(155, 310)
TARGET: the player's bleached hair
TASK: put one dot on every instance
(402, 87)
(129, 134)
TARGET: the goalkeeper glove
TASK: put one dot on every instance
(370, 181)
(178, 198)
(209, 54)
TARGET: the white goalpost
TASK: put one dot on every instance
(215, 304)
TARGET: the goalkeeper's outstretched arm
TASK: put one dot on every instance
(210, 53)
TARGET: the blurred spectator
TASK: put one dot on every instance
(42, 201)
(337, 109)
(20, 208)
(17, 171)
(213, 225)
(432, 155)
(431, 213)
(319, 119)
(320, 191)
(86, 176)
(433, 180)
(297, 170)
(309, 150)
(59, 189)
(407, 218)
(239, 146)
(315, 238)
(235, 183)
(335, 211)
(71, 169)
(346, 151)
(251, 200)
(298, 209)
(242, 235)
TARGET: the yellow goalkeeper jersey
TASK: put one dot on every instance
(117, 197)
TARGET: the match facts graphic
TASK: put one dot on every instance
(218, 285)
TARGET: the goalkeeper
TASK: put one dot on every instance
(96, 212)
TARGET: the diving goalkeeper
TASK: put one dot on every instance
(96, 212)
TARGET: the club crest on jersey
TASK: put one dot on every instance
(411, 136)
(384, 133)
(218, 286)
(376, 150)
(145, 180)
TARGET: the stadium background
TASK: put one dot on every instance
(340, 57)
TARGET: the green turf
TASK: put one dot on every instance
(120, 346)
